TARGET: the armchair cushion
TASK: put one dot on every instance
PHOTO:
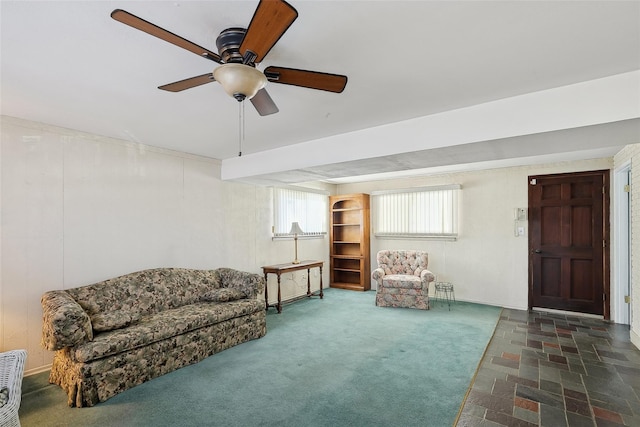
(404, 281)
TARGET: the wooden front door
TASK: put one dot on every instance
(568, 242)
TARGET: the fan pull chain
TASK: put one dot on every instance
(241, 127)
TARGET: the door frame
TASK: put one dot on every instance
(621, 245)
(606, 253)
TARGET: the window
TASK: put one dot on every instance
(420, 212)
(307, 207)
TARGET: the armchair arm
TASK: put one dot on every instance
(377, 275)
(250, 283)
(427, 277)
(64, 322)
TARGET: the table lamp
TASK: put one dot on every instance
(295, 230)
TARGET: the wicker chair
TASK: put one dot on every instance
(11, 371)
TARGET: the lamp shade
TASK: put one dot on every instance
(239, 81)
(295, 228)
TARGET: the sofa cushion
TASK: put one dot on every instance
(166, 324)
(401, 281)
(223, 295)
(146, 292)
(110, 320)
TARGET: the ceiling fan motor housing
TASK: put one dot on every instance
(228, 43)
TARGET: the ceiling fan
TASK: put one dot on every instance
(239, 50)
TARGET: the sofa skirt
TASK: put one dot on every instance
(87, 384)
(401, 297)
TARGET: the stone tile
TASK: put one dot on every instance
(504, 369)
(488, 371)
(570, 378)
(474, 410)
(526, 415)
(504, 389)
(483, 383)
(602, 371)
(612, 355)
(466, 420)
(630, 420)
(551, 387)
(507, 420)
(527, 404)
(575, 406)
(486, 400)
(528, 352)
(529, 361)
(552, 417)
(508, 363)
(558, 359)
(577, 387)
(577, 368)
(540, 396)
(562, 366)
(607, 415)
(529, 372)
(551, 348)
(511, 356)
(534, 344)
(606, 423)
(628, 370)
(576, 395)
(555, 370)
(524, 381)
(610, 403)
(549, 373)
(613, 387)
(575, 420)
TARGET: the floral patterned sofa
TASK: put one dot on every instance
(403, 279)
(116, 334)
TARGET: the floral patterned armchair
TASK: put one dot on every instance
(403, 279)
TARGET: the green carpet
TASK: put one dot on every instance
(340, 361)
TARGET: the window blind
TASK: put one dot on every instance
(422, 212)
(308, 208)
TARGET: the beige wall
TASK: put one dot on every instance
(488, 263)
(79, 208)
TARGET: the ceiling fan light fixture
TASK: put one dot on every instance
(240, 81)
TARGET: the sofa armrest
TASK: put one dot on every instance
(64, 322)
(377, 275)
(250, 283)
(427, 277)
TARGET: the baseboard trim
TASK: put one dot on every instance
(37, 370)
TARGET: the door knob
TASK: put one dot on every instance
(538, 251)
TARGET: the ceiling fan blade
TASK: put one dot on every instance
(188, 83)
(311, 79)
(270, 21)
(149, 28)
(263, 103)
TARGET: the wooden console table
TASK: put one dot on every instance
(278, 269)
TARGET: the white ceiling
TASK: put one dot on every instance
(69, 64)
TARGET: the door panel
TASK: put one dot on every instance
(568, 232)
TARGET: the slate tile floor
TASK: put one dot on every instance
(554, 370)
